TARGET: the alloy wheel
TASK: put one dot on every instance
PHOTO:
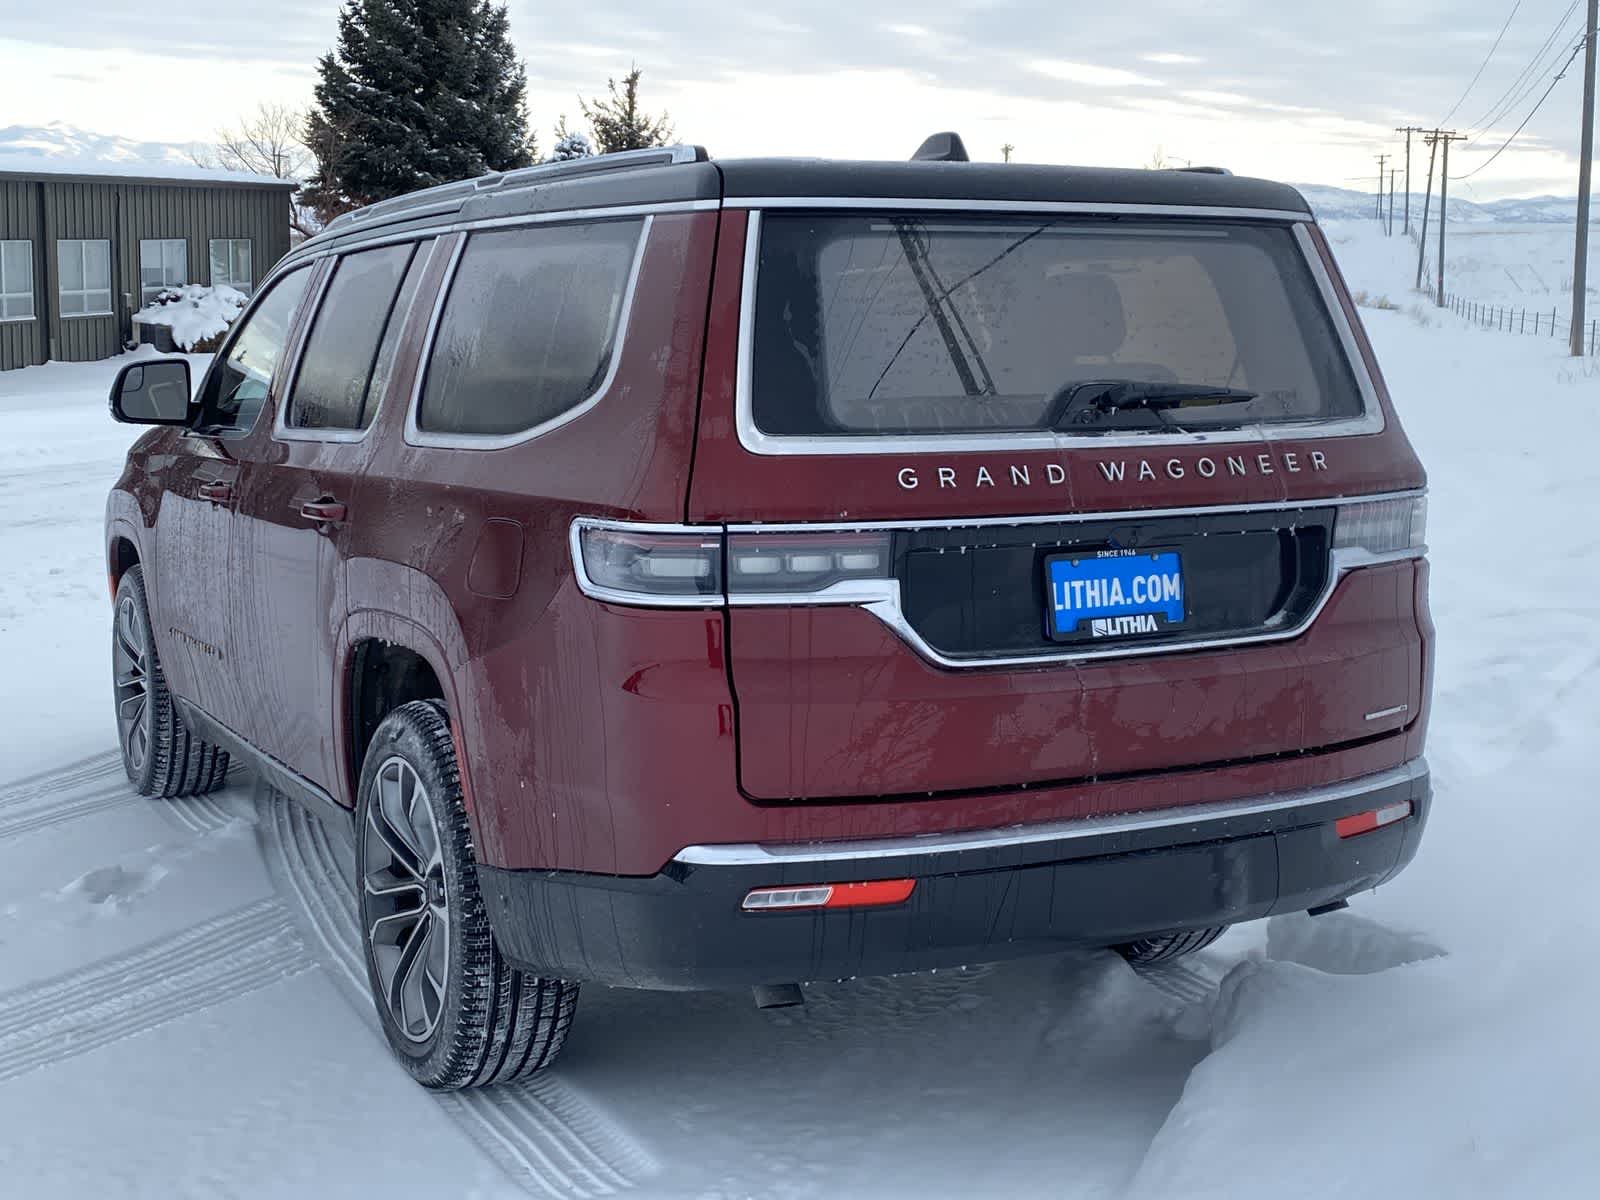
(404, 900)
(130, 674)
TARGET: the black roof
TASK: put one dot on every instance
(1024, 182)
(676, 174)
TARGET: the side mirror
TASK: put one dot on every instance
(152, 393)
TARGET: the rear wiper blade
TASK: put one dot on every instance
(1087, 401)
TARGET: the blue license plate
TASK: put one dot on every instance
(1113, 593)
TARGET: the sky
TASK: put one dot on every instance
(1309, 93)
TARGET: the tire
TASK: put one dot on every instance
(159, 752)
(471, 1018)
(1168, 946)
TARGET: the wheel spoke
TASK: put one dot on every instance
(402, 982)
(392, 891)
(132, 708)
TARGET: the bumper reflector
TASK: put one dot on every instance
(1375, 818)
(829, 895)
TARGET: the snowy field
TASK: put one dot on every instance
(181, 1012)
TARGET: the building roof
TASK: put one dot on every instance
(93, 170)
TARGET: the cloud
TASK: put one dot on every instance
(1089, 74)
(1171, 58)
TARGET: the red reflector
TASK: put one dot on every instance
(828, 895)
(879, 891)
(1375, 818)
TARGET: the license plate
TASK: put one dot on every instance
(1113, 593)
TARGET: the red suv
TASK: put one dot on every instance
(715, 574)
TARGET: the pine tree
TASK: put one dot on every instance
(619, 123)
(416, 92)
(569, 143)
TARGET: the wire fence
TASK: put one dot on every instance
(1532, 322)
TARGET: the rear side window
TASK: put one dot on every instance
(933, 324)
(346, 361)
(529, 327)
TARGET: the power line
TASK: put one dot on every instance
(1561, 74)
(1482, 65)
(1527, 78)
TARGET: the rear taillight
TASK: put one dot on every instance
(679, 566)
(767, 564)
(638, 564)
(1391, 526)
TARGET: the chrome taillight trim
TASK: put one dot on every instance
(881, 597)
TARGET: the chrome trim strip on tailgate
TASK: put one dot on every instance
(754, 854)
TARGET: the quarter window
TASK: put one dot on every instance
(345, 366)
(16, 281)
(238, 386)
(230, 264)
(529, 327)
(85, 276)
(163, 263)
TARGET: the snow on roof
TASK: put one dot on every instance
(139, 169)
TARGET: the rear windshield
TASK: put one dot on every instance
(918, 324)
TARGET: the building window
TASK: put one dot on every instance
(85, 269)
(16, 281)
(163, 263)
(230, 264)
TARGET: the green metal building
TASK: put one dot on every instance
(81, 253)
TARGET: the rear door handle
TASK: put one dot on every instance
(323, 510)
(218, 491)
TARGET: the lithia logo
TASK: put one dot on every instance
(1122, 626)
(1117, 470)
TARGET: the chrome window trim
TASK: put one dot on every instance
(753, 439)
(767, 854)
(957, 204)
(590, 588)
(416, 436)
(881, 597)
(666, 207)
(282, 431)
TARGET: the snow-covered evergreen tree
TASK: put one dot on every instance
(416, 92)
(620, 124)
(569, 143)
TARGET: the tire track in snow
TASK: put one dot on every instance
(79, 774)
(540, 1132)
(1183, 980)
(90, 786)
(226, 957)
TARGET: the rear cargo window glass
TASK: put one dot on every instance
(917, 324)
(334, 387)
(529, 326)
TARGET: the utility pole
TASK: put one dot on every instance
(1382, 158)
(1408, 130)
(1427, 197)
(1444, 195)
(1580, 249)
(1388, 230)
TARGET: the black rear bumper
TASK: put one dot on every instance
(978, 898)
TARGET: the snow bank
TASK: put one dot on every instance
(195, 312)
(1442, 1042)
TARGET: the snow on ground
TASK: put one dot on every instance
(181, 1010)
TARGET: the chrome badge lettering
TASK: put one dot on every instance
(1116, 470)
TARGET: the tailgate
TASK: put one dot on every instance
(953, 680)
